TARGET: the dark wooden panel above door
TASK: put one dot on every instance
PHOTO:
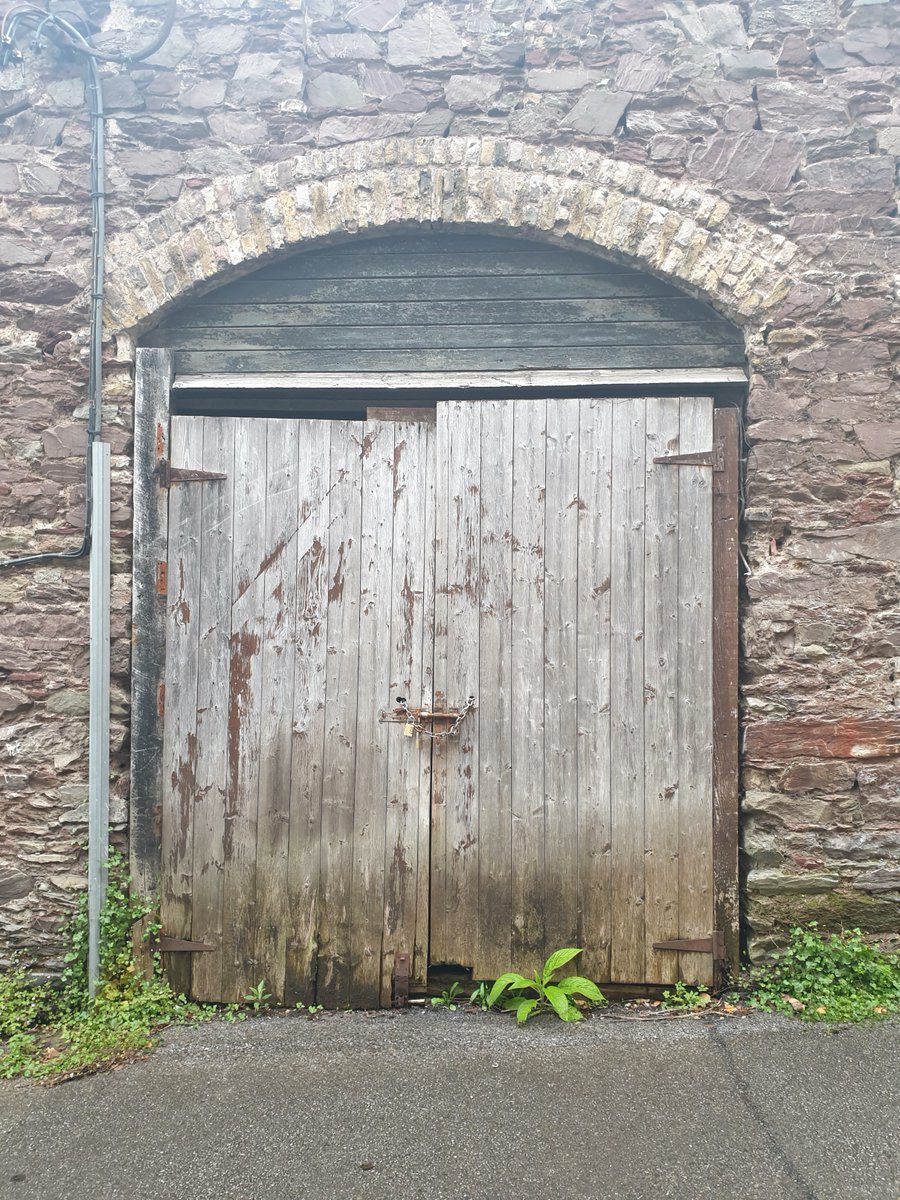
(435, 302)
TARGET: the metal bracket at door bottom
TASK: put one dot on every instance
(400, 998)
(174, 945)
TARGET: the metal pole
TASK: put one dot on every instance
(98, 756)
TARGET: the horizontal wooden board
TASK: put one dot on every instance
(444, 302)
(437, 337)
(191, 362)
(435, 241)
(506, 314)
(516, 259)
(551, 285)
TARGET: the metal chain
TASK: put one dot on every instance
(420, 730)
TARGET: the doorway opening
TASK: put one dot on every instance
(537, 515)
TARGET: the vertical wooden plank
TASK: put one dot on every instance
(308, 748)
(407, 789)
(180, 739)
(529, 483)
(455, 762)
(421, 953)
(695, 892)
(152, 378)
(438, 952)
(725, 684)
(371, 778)
(593, 718)
(561, 857)
(240, 969)
(661, 690)
(341, 683)
(277, 579)
(626, 696)
(214, 621)
(495, 692)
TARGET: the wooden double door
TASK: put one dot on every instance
(532, 554)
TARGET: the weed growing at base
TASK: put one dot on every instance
(448, 997)
(257, 996)
(479, 996)
(835, 978)
(66, 1033)
(546, 996)
(685, 999)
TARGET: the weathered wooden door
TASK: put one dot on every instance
(534, 554)
(574, 600)
(295, 827)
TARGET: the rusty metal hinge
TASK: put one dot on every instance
(174, 945)
(714, 945)
(400, 997)
(714, 458)
(162, 579)
(168, 475)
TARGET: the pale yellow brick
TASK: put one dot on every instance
(608, 218)
(780, 288)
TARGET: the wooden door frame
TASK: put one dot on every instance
(726, 617)
(154, 382)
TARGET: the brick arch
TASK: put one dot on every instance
(676, 230)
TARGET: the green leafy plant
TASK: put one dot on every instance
(257, 996)
(479, 996)
(545, 995)
(121, 911)
(67, 1033)
(311, 1010)
(447, 998)
(829, 978)
(685, 999)
(232, 1013)
(23, 1003)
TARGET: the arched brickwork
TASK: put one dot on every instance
(676, 230)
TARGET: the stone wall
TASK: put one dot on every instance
(777, 120)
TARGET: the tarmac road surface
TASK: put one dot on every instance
(434, 1105)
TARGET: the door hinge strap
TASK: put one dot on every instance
(162, 578)
(714, 458)
(174, 945)
(169, 475)
(714, 945)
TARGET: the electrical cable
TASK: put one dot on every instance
(77, 41)
(13, 18)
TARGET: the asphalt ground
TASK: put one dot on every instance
(429, 1104)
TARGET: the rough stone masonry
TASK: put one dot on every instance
(777, 119)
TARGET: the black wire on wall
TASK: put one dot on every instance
(25, 17)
